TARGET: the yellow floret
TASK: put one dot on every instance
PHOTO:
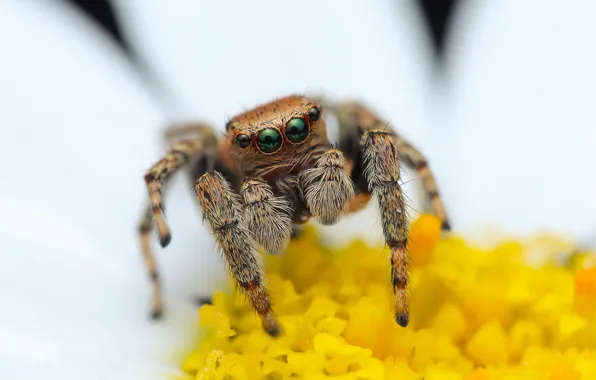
(476, 314)
(424, 234)
(488, 346)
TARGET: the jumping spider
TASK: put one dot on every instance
(272, 170)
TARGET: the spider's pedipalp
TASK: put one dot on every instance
(327, 187)
(268, 218)
(381, 169)
(222, 209)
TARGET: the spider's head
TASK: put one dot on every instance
(285, 133)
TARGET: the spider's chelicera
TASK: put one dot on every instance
(278, 159)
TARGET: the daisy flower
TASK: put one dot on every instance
(508, 141)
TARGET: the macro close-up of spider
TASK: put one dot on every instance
(274, 169)
(298, 190)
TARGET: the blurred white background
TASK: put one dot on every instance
(508, 131)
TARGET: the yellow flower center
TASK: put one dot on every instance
(476, 314)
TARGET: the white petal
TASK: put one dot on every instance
(223, 61)
(522, 117)
(74, 293)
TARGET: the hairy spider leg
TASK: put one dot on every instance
(372, 148)
(381, 169)
(184, 154)
(223, 211)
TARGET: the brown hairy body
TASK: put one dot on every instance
(274, 169)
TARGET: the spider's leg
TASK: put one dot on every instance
(375, 168)
(183, 154)
(381, 169)
(223, 211)
(355, 120)
(190, 131)
(327, 187)
(415, 160)
(145, 231)
(267, 217)
(179, 156)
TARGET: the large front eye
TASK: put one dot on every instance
(297, 130)
(269, 140)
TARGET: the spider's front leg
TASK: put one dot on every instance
(327, 187)
(223, 211)
(267, 217)
(381, 169)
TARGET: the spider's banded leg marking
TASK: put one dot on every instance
(179, 155)
(381, 169)
(268, 218)
(223, 211)
(327, 187)
(145, 230)
(415, 160)
(156, 179)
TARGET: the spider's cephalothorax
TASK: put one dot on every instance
(274, 169)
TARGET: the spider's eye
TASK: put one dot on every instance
(243, 141)
(314, 114)
(297, 130)
(269, 140)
